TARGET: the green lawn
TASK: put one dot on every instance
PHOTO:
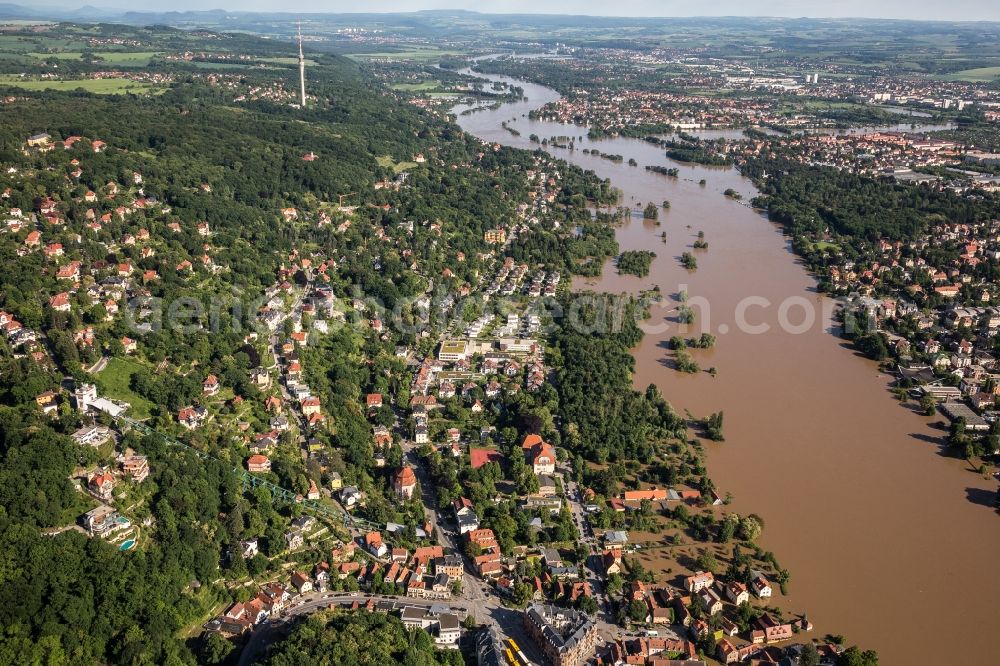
(826, 245)
(398, 167)
(114, 381)
(96, 86)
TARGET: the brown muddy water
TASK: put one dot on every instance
(888, 541)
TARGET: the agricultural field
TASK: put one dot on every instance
(423, 86)
(219, 65)
(117, 58)
(126, 58)
(975, 75)
(96, 86)
(291, 60)
(25, 44)
(61, 55)
(417, 53)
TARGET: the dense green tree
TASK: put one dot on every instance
(356, 638)
(635, 262)
(750, 528)
(637, 611)
(854, 656)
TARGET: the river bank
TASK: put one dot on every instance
(879, 532)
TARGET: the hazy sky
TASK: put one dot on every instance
(963, 10)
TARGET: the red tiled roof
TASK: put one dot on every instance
(480, 457)
(406, 477)
(530, 441)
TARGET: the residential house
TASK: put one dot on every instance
(94, 435)
(467, 522)
(616, 538)
(440, 587)
(104, 521)
(375, 545)
(294, 539)
(136, 467)
(60, 302)
(278, 595)
(192, 417)
(249, 548)
(349, 496)
(710, 600)
(211, 385)
(449, 564)
(699, 581)
(48, 401)
(736, 592)
(612, 561)
(780, 632)
(301, 582)
(760, 585)
(310, 406)
(102, 484)
(258, 463)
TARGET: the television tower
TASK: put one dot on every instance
(302, 69)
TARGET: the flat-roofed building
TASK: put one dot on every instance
(94, 435)
(453, 350)
(444, 626)
(959, 410)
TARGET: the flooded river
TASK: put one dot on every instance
(885, 538)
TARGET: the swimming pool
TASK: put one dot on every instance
(127, 545)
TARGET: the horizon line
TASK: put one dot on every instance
(125, 10)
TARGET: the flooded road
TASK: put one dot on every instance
(885, 538)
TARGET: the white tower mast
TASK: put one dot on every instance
(302, 69)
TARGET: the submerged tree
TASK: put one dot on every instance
(713, 426)
(750, 528)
